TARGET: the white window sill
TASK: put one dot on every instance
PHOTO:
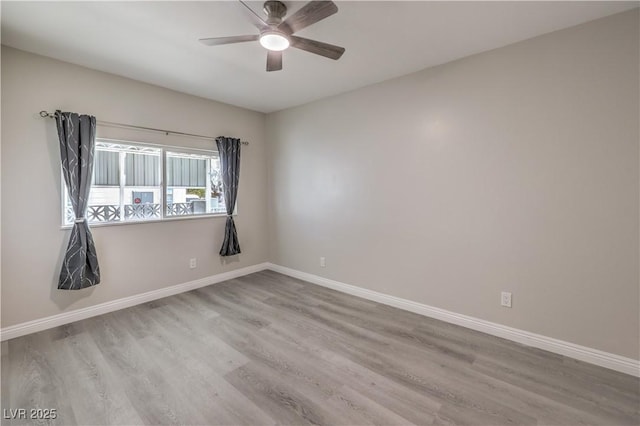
(142, 222)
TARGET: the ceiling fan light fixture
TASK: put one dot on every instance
(274, 40)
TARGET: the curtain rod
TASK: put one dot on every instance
(45, 114)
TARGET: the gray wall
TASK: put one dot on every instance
(515, 169)
(134, 258)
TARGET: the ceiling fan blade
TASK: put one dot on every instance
(274, 60)
(216, 41)
(319, 48)
(254, 17)
(309, 14)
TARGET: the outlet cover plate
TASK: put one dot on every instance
(505, 299)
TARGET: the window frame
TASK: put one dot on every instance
(164, 217)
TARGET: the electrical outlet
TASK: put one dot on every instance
(505, 299)
(193, 263)
(323, 262)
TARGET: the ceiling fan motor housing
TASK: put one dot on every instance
(277, 33)
(275, 10)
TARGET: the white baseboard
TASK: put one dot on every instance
(571, 350)
(126, 302)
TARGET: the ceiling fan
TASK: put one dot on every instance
(276, 34)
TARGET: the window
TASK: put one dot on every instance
(137, 182)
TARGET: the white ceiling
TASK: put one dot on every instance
(156, 42)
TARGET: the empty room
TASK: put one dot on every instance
(317, 212)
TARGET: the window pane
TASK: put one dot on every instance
(104, 205)
(192, 185)
(106, 168)
(217, 195)
(134, 193)
(186, 172)
(142, 169)
(142, 203)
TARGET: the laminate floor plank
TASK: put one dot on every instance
(197, 342)
(571, 395)
(147, 385)
(415, 407)
(4, 372)
(619, 381)
(34, 383)
(293, 293)
(268, 349)
(281, 400)
(84, 371)
(355, 332)
(483, 343)
(357, 409)
(230, 309)
(398, 336)
(408, 367)
(439, 382)
(279, 356)
(216, 400)
(556, 377)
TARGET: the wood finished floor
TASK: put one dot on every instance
(268, 349)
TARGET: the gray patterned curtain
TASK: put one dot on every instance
(77, 134)
(229, 150)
